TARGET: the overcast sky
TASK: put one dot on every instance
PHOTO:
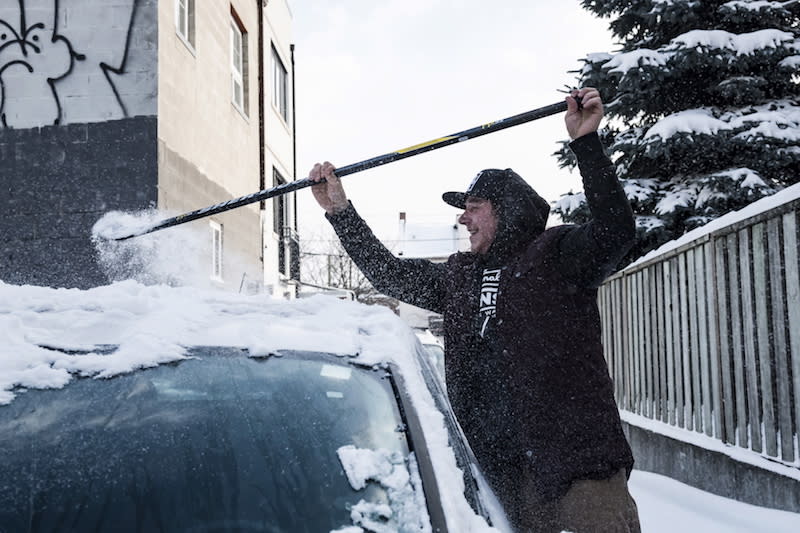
(373, 77)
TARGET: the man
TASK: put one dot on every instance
(524, 361)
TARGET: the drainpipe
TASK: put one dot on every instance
(294, 126)
(262, 183)
(296, 258)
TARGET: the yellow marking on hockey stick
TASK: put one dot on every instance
(423, 145)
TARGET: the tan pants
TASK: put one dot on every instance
(590, 506)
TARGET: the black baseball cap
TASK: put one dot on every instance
(488, 184)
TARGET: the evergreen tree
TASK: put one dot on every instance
(702, 107)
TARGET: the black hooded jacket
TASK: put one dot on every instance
(524, 361)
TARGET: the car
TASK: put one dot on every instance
(153, 408)
(434, 348)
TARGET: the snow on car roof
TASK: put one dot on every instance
(155, 324)
(41, 329)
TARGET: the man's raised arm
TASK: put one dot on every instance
(415, 281)
(592, 251)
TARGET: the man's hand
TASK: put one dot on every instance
(586, 119)
(330, 194)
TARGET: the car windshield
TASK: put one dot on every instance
(216, 443)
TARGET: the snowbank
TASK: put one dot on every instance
(666, 506)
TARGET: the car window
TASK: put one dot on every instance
(436, 357)
(458, 442)
(211, 444)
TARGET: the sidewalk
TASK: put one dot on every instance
(668, 506)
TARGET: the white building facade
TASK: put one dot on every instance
(226, 129)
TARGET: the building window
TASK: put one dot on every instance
(184, 20)
(239, 95)
(216, 250)
(280, 93)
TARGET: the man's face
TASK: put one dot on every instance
(481, 222)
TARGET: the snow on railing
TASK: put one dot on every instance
(705, 336)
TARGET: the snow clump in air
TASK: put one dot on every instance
(175, 256)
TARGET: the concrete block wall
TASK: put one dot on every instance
(57, 181)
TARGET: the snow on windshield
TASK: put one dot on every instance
(48, 337)
(406, 511)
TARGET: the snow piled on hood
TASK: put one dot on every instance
(42, 329)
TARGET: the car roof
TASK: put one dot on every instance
(154, 324)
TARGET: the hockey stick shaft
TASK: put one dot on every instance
(292, 186)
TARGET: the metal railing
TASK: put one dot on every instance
(706, 337)
(289, 253)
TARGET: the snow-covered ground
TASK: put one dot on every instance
(667, 506)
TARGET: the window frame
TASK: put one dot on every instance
(239, 65)
(185, 22)
(280, 85)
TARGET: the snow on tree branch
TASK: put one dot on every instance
(702, 109)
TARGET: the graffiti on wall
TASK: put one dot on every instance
(73, 61)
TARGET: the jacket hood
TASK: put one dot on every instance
(522, 213)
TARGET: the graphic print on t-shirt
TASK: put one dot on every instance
(489, 285)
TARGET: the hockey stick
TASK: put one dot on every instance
(356, 167)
